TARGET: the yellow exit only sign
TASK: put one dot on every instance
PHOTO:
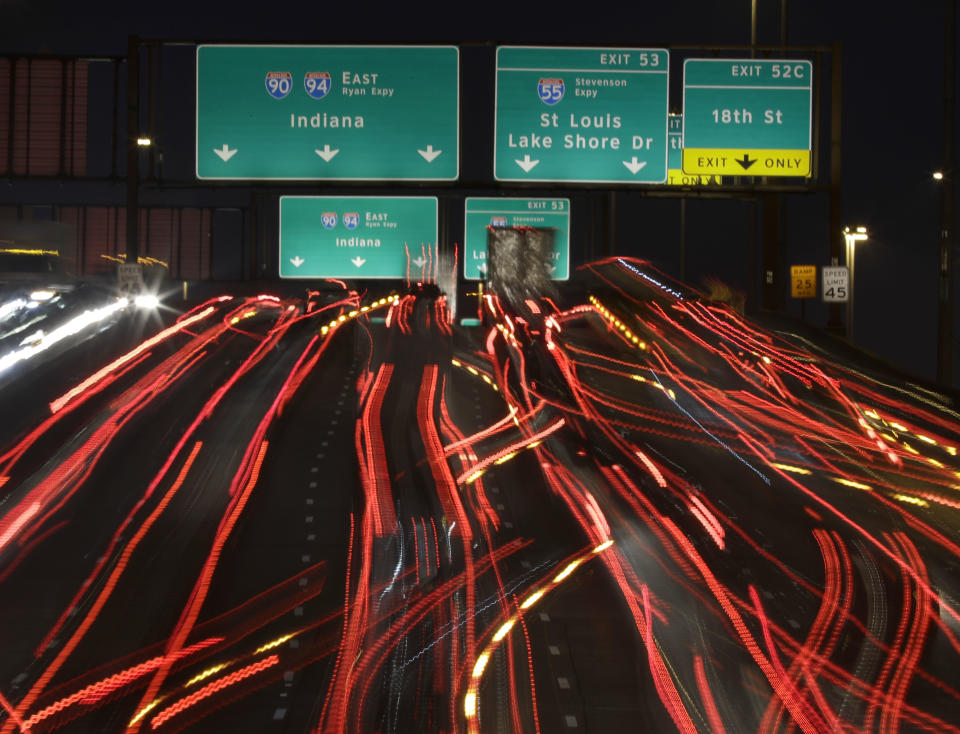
(803, 281)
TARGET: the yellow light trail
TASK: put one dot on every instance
(205, 674)
(789, 468)
(470, 698)
(852, 483)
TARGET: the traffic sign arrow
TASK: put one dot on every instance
(358, 261)
(297, 261)
(746, 161)
(225, 152)
(327, 153)
(526, 164)
(482, 267)
(419, 262)
(551, 269)
(633, 165)
(429, 154)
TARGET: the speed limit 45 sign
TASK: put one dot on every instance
(836, 284)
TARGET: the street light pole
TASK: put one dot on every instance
(851, 239)
(947, 184)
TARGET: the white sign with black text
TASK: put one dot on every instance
(836, 284)
(129, 278)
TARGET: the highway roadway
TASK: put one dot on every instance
(627, 509)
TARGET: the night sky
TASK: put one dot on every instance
(892, 116)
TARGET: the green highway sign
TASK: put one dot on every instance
(483, 213)
(328, 112)
(588, 115)
(675, 174)
(675, 133)
(745, 117)
(357, 236)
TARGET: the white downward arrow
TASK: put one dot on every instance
(225, 153)
(526, 164)
(327, 153)
(633, 165)
(429, 154)
(297, 261)
(552, 269)
(482, 267)
(358, 261)
(419, 262)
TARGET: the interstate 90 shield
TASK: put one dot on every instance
(279, 83)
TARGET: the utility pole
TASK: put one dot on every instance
(947, 184)
(837, 241)
(133, 150)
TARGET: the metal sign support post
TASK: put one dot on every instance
(133, 150)
(947, 184)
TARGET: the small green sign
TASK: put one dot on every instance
(357, 236)
(675, 174)
(482, 213)
(328, 112)
(590, 115)
(675, 128)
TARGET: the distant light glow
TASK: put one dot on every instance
(70, 328)
(146, 300)
(144, 142)
(42, 295)
(10, 307)
(470, 705)
(603, 546)
(938, 175)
